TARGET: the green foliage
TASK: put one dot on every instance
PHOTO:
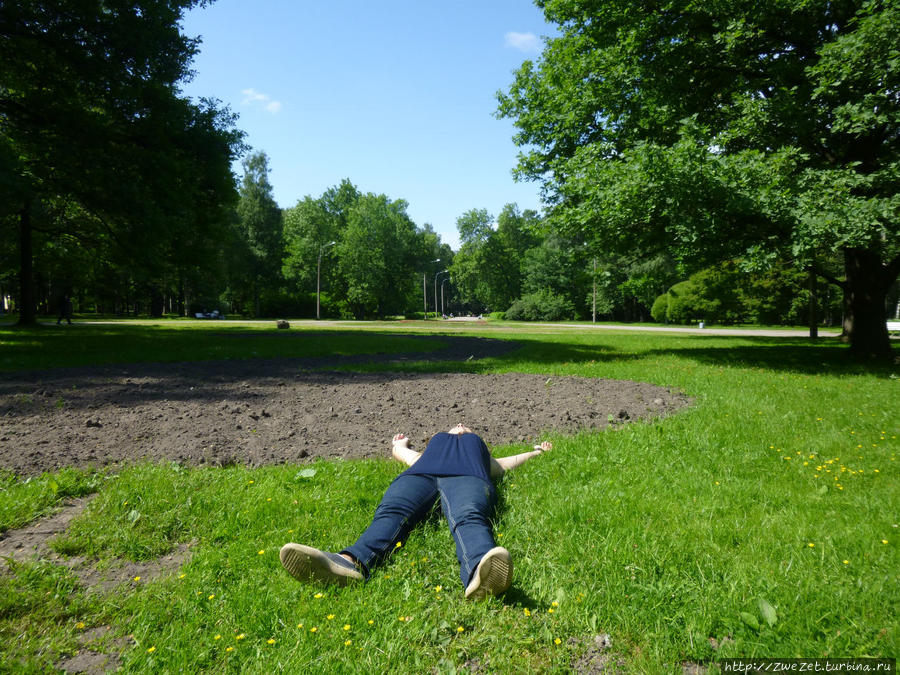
(100, 153)
(372, 254)
(660, 309)
(489, 271)
(722, 131)
(543, 305)
(255, 259)
(728, 294)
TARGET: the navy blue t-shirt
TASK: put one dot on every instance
(454, 455)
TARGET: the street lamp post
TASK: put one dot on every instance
(435, 289)
(319, 274)
(443, 281)
(424, 293)
(594, 307)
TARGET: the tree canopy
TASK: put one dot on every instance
(98, 147)
(751, 130)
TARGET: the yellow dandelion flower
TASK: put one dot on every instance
(438, 589)
(229, 649)
(299, 625)
(550, 611)
(241, 636)
(811, 545)
(261, 551)
(460, 629)
(557, 641)
(79, 625)
(554, 604)
(884, 541)
(270, 641)
(212, 595)
(346, 626)
(846, 562)
(318, 596)
(398, 544)
(527, 612)
(182, 576)
(137, 578)
(218, 637)
(313, 629)
(347, 643)
(371, 622)
(330, 617)
(150, 650)
(250, 482)
(269, 499)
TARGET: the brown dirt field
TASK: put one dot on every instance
(267, 411)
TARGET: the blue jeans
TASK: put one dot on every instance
(467, 503)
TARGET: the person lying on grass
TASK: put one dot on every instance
(456, 466)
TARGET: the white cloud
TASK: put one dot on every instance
(253, 97)
(524, 42)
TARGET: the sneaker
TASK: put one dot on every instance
(306, 563)
(492, 576)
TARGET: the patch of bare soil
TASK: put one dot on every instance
(99, 647)
(99, 652)
(268, 411)
(32, 542)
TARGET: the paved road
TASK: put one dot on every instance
(694, 330)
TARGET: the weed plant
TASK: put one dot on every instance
(760, 522)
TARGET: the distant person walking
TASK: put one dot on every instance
(456, 467)
(65, 309)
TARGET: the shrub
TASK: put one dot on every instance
(543, 305)
(660, 309)
(497, 316)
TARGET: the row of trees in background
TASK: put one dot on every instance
(719, 162)
(371, 260)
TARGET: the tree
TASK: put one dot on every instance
(488, 268)
(260, 230)
(313, 224)
(751, 130)
(378, 256)
(91, 118)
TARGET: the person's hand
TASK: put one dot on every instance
(544, 447)
(400, 439)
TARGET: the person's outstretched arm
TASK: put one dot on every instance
(401, 451)
(501, 465)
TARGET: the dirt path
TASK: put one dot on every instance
(278, 410)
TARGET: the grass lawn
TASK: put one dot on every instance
(761, 522)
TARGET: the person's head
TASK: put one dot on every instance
(461, 429)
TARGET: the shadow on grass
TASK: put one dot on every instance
(799, 355)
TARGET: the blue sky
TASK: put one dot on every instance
(398, 96)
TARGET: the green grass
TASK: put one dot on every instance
(81, 344)
(663, 534)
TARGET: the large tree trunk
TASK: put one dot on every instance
(865, 293)
(27, 312)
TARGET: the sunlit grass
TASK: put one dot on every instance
(779, 485)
